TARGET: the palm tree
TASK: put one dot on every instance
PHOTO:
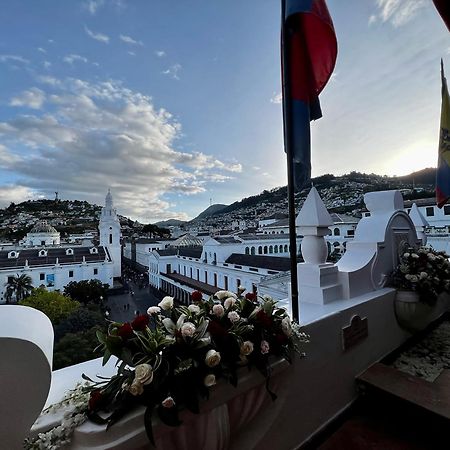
(20, 285)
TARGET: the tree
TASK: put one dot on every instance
(87, 291)
(54, 305)
(20, 286)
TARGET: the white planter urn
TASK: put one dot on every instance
(411, 313)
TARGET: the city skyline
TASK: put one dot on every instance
(170, 105)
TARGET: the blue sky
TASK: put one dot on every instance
(172, 103)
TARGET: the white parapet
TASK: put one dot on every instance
(317, 279)
(26, 349)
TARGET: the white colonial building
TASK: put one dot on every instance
(51, 264)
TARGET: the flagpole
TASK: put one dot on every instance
(287, 125)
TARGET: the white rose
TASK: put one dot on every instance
(264, 347)
(218, 310)
(188, 329)
(210, 380)
(233, 316)
(194, 309)
(286, 326)
(423, 275)
(212, 358)
(153, 310)
(230, 301)
(166, 303)
(406, 255)
(136, 388)
(414, 279)
(169, 402)
(224, 294)
(143, 374)
(414, 255)
(241, 289)
(246, 348)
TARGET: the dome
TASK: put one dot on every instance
(43, 227)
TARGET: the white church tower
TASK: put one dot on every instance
(109, 228)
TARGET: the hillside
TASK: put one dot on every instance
(210, 211)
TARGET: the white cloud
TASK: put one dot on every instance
(172, 71)
(93, 5)
(13, 58)
(42, 50)
(97, 36)
(277, 98)
(372, 19)
(96, 135)
(52, 81)
(47, 64)
(131, 53)
(70, 59)
(14, 193)
(160, 53)
(33, 98)
(130, 40)
(397, 12)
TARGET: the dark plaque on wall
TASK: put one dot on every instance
(354, 333)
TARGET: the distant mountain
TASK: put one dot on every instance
(211, 210)
(424, 176)
(170, 223)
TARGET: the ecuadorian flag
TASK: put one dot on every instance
(443, 169)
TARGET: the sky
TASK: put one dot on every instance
(175, 104)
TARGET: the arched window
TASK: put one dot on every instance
(247, 251)
(43, 253)
(281, 248)
(270, 249)
(336, 244)
(94, 250)
(69, 251)
(275, 249)
(286, 248)
(265, 249)
(252, 251)
(337, 232)
(281, 232)
(260, 250)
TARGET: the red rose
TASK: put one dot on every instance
(95, 398)
(196, 296)
(250, 296)
(263, 319)
(140, 322)
(216, 329)
(125, 331)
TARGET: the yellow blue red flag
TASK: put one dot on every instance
(443, 169)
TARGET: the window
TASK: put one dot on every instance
(351, 232)
(42, 276)
(206, 277)
(265, 249)
(253, 269)
(430, 211)
(198, 274)
(225, 279)
(259, 250)
(238, 283)
(337, 232)
(42, 242)
(43, 253)
(247, 251)
(168, 268)
(252, 251)
(95, 271)
(270, 249)
(110, 238)
(70, 273)
(215, 279)
(69, 251)
(447, 210)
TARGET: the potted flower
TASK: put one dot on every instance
(422, 275)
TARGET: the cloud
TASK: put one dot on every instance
(397, 12)
(98, 135)
(46, 79)
(93, 5)
(47, 64)
(130, 40)
(42, 50)
(97, 36)
(172, 71)
(14, 193)
(70, 59)
(131, 53)
(276, 98)
(33, 98)
(160, 53)
(13, 58)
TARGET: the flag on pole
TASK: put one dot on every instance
(443, 7)
(309, 50)
(443, 169)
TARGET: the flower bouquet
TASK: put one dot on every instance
(169, 358)
(425, 271)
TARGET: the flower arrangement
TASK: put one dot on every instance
(425, 271)
(170, 357)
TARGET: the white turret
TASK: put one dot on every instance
(109, 228)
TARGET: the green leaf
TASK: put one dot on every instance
(106, 357)
(101, 337)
